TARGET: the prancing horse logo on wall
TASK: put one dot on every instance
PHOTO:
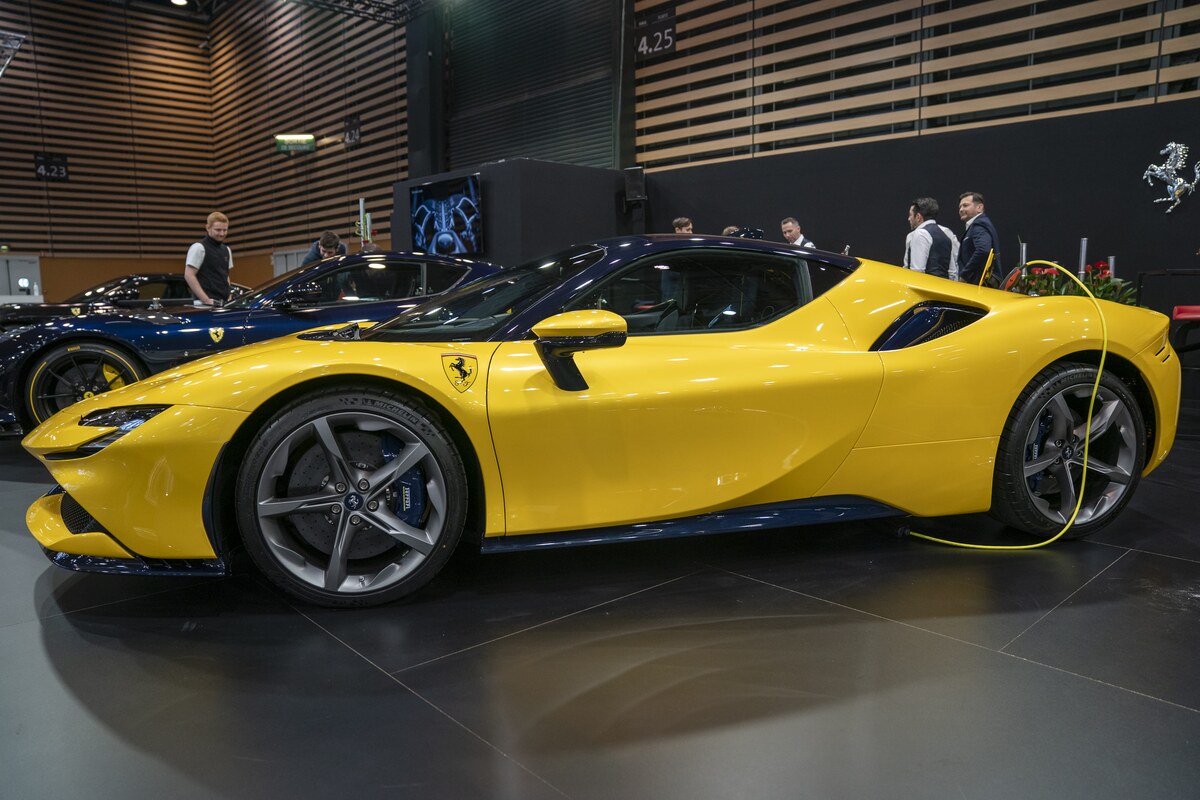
(460, 369)
(217, 334)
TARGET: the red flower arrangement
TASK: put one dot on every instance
(1097, 277)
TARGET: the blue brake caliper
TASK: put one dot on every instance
(1035, 449)
(408, 491)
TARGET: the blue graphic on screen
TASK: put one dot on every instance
(447, 217)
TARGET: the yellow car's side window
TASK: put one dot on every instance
(700, 291)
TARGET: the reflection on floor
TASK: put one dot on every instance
(829, 662)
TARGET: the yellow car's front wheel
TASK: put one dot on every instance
(351, 497)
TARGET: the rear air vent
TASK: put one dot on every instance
(925, 322)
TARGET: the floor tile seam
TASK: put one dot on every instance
(438, 709)
(1149, 552)
(40, 618)
(976, 645)
(559, 618)
(863, 612)
(1104, 683)
(1060, 603)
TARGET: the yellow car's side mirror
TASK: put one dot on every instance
(561, 336)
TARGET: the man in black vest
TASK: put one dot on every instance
(930, 248)
(979, 239)
(792, 235)
(208, 262)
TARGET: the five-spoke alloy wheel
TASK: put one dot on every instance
(351, 497)
(1039, 467)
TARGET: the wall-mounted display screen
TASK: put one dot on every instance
(447, 217)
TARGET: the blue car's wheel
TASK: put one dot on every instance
(351, 498)
(66, 374)
(1039, 464)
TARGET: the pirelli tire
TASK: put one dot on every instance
(70, 372)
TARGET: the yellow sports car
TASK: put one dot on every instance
(633, 388)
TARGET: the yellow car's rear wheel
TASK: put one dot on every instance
(351, 497)
(66, 374)
(1039, 466)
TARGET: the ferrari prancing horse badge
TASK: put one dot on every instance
(217, 334)
(460, 369)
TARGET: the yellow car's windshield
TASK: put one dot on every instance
(476, 311)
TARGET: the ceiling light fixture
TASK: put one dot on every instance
(295, 143)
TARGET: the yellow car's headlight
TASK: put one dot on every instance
(124, 419)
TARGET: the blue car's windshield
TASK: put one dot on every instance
(477, 310)
(252, 297)
(95, 292)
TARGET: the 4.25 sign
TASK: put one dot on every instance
(654, 35)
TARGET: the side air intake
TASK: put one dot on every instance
(925, 322)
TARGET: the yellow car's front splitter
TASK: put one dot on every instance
(97, 550)
(46, 523)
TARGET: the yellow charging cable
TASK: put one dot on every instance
(1087, 431)
(987, 267)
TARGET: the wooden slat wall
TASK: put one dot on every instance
(159, 130)
(753, 77)
(124, 94)
(280, 67)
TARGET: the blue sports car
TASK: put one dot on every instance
(51, 365)
(141, 290)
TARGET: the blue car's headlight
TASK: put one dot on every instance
(124, 419)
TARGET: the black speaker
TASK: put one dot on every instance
(635, 184)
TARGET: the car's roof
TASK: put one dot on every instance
(663, 242)
(152, 276)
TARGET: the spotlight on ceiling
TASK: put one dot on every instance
(179, 2)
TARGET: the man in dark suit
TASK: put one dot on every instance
(979, 240)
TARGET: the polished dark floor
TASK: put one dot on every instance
(829, 662)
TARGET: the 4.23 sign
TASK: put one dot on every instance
(51, 167)
(654, 35)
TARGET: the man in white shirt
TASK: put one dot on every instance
(791, 232)
(929, 247)
(206, 268)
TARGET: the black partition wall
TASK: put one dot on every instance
(1046, 182)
